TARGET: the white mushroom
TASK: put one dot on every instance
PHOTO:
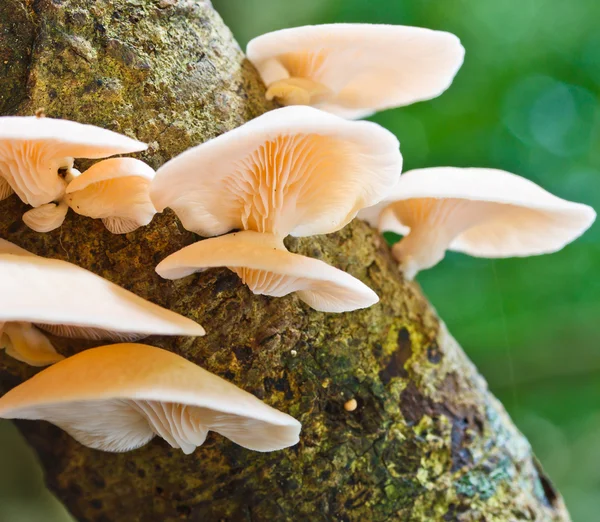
(295, 170)
(264, 264)
(46, 218)
(35, 151)
(481, 212)
(68, 301)
(117, 398)
(115, 190)
(354, 70)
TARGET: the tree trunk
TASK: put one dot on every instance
(427, 440)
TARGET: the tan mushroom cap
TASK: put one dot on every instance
(32, 150)
(264, 264)
(117, 398)
(354, 70)
(481, 212)
(72, 302)
(116, 190)
(295, 170)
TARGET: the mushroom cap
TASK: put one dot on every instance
(367, 67)
(53, 292)
(271, 270)
(520, 218)
(295, 170)
(114, 398)
(33, 149)
(116, 190)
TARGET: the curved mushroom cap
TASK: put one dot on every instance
(295, 170)
(71, 302)
(116, 190)
(267, 268)
(46, 218)
(495, 213)
(32, 150)
(6, 247)
(354, 70)
(118, 397)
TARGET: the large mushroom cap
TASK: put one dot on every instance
(496, 213)
(294, 170)
(118, 397)
(354, 70)
(32, 150)
(72, 302)
(116, 190)
(267, 268)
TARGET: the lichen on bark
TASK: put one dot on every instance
(427, 441)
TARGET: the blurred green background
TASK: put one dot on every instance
(526, 100)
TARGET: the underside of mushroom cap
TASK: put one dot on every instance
(116, 398)
(498, 214)
(32, 150)
(366, 67)
(268, 268)
(52, 292)
(294, 170)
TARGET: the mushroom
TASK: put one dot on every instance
(481, 212)
(354, 70)
(295, 170)
(264, 264)
(115, 190)
(36, 159)
(46, 218)
(68, 301)
(117, 398)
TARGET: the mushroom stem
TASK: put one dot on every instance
(27, 344)
(436, 223)
(298, 91)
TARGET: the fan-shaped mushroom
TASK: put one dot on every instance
(354, 70)
(264, 264)
(117, 398)
(68, 301)
(481, 212)
(115, 190)
(34, 152)
(295, 170)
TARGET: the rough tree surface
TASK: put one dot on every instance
(427, 441)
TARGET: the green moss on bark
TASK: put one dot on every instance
(427, 441)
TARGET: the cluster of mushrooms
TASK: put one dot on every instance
(304, 169)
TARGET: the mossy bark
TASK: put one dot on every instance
(427, 441)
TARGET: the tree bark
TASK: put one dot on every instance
(427, 441)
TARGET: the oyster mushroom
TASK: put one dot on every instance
(115, 190)
(481, 212)
(264, 264)
(117, 398)
(68, 301)
(354, 70)
(295, 170)
(37, 153)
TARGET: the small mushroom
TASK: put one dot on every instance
(354, 70)
(295, 170)
(46, 218)
(115, 190)
(68, 301)
(117, 398)
(481, 212)
(36, 154)
(264, 264)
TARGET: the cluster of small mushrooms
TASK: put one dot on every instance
(301, 170)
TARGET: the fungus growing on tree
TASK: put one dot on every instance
(295, 170)
(481, 212)
(36, 154)
(117, 398)
(354, 70)
(115, 190)
(264, 264)
(68, 301)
